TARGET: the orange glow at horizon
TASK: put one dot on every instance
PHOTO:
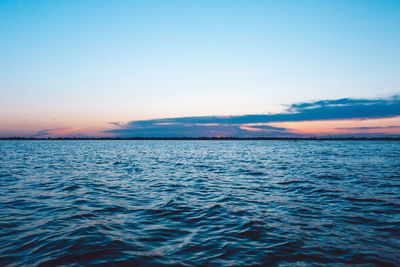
(309, 128)
(326, 127)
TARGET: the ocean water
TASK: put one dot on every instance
(219, 203)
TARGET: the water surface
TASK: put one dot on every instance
(199, 203)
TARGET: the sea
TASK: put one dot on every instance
(199, 202)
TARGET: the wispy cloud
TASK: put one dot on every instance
(370, 127)
(58, 132)
(255, 125)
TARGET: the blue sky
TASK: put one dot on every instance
(84, 64)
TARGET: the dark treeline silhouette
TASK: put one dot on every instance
(202, 138)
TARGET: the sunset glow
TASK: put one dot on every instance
(159, 68)
(332, 127)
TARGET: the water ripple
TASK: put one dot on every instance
(191, 203)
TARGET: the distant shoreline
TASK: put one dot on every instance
(211, 138)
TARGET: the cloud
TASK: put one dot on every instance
(57, 132)
(246, 125)
(369, 128)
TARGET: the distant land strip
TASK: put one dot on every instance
(209, 138)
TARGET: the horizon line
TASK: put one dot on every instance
(377, 138)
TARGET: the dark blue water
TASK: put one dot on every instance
(199, 203)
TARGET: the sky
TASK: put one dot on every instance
(158, 68)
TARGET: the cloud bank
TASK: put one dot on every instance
(255, 125)
(66, 132)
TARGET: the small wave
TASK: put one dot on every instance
(112, 209)
(184, 203)
(82, 216)
(356, 219)
(71, 188)
(373, 200)
(250, 172)
(290, 182)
